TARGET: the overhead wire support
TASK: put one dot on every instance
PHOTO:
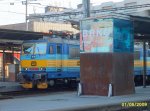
(26, 15)
(58, 14)
(86, 8)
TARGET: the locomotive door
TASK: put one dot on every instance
(59, 57)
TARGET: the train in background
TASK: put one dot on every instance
(138, 63)
(50, 61)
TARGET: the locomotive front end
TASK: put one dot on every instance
(33, 65)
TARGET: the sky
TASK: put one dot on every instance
(13, 11)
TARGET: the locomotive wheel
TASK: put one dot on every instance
(51, 83)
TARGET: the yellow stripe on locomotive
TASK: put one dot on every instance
(51, 63)
(139, 63)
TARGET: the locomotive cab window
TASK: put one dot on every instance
(27, 48)
(148, 53)
(40, 48)
(74, 52)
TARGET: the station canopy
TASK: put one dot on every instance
(141, 27)
(14, 38)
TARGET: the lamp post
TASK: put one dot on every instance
(86, 8)
(26, 11)
(26, 16)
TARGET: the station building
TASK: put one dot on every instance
(35, 26)
(127, 7)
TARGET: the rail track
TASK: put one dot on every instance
(35, 92)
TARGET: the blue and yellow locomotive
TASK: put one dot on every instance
(48, 61)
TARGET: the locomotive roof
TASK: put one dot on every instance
(56, 40)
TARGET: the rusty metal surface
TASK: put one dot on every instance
(123, 77)
(95, 73)
(98, 70)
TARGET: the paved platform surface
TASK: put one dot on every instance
(69, 101)
(9, 86)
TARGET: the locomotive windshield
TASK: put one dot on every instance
(27, 48)
(40, 48)
(34, 48)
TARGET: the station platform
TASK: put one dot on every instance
(9, 86)
(69, 101)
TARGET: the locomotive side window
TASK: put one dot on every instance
(51, 50)
(74, 52)
(59, 49)
(148, 53)
(136, 55)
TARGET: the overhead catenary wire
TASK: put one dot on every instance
(12, 12)
(16, 3)
(7, 3)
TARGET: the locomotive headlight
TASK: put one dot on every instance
(26, 69)
(42, 68)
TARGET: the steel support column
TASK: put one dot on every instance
(144, 64)
(4, 65)
(26, 15)
(86, 8)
